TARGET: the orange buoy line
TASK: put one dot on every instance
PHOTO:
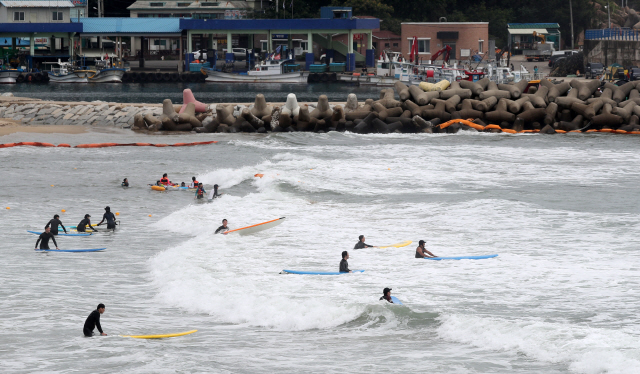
(478, 127)
(103, 145)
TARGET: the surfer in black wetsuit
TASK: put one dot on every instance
(344, 265)
(215, 192)
(93, 321)
(54, 224)
(125, 183)
(386, 295)
(222, 228)
(110, 218)
(361, 244)
(85, 224)
(43, 239)
(421, 251)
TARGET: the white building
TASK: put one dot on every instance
(35, 11)
(198, 9)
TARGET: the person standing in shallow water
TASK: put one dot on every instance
(43, 239)
(54, 224)
(386, 295)
(344, 265)
(93, 321)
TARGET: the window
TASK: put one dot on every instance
(156, 4)
(160, 42)
(480, 45)
(209, 4)
(304, 46)
(264, 46)
(424, 45)
(386, 45)
(18, 16)
(395, 44)
(183, 4)
(57, 16)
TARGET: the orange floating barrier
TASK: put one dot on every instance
(259, 175)
(7, 145)
(492, 126)
(47, 145)
(143, 144)
(633, 132)
(160, 145)
(561, 131)
(606, 130)
(509, 131)
(592, 130)
(620, 131)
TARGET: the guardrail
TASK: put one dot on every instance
(621, 33)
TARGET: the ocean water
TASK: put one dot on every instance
(561, 211)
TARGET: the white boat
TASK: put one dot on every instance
(270, 71)
(111, 75)
(65, 73)
(9, 76)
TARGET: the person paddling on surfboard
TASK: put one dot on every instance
(386, 295)
(85, 224)
(421, 251)
(200, 191)
(43, 239)
(110, 218)
(223, 228)
(344, 265)
(361, 244)
(54, 224)
(93, 321)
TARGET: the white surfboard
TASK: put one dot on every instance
(257, 227)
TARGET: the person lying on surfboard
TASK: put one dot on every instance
(421, 252)
(386, 295)
(361, 244)
(344, 265)
(223, 228)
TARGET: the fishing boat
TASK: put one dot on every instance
(106, 72)
(269, 71)
(9, 76)
(65, 73)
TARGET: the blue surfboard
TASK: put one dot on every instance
(396, 301)
(319, 272)
(461, 258)
(63, 234)
(70, 250)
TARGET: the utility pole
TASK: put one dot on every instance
(571, 14)
(609, 13)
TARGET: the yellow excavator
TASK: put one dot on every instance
(539, 51)
(536, 35)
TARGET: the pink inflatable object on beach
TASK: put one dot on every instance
(187, 97)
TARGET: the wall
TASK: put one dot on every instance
(623, 52)
(42, 15)
(469, 34)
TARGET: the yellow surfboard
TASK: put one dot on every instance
(159, 336)
(397, 245)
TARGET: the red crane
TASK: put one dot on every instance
(446, 50)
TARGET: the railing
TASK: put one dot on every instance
(621, 33)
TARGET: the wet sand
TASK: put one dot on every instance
(8, 126)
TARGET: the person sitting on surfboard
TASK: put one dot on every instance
(165, 180)
(222, 228)
(93, 321)
(200, 191)
(125, 183)
(421, 252)
(194, 183)
(43, 239)
(110, 218)
(386, 295)
(84, 224)
(54, 224)
(361, 244)
(344, 265)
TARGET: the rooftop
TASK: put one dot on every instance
(533, 26)
(186, 5)
(129, 26)
(37, 3)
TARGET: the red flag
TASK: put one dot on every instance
(414, 50)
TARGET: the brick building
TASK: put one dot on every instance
(464, 38)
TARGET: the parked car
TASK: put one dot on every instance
(239, 54)
(594, 69)
(634, 73)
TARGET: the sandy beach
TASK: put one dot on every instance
(9, 126)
